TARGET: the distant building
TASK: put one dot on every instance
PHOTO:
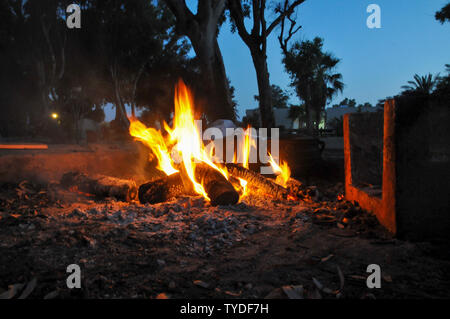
(282, 116)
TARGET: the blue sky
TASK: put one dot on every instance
(375, 62)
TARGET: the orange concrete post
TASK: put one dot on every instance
(387, 215)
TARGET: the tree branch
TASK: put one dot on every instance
(237, 14)
(184, 16)
(262, 8)
(219, 9)
(256, 17)
(290, 9)
(284, 41)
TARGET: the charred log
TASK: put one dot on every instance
(218, 188)
(162, 189)
(257, 181)
(101, 186)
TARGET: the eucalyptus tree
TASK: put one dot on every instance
(443, 15)
(256, 41)
(202, 29)
(35, 59)
(74, 71)
(46, 36)
(132, 39)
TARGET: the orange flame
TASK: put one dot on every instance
(184, 135)
(188, 138)
(283, 171)
(185, 141)
(153, 139)
(246, 147)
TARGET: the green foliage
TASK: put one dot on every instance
(367, 104)
(428, 87)
(234, 103)
(346, 102)
(421, 84)
(47, 67)
(442, 91)
(280, 99)
(444, 14)
(312, 75)
(297, 112)
(351, 103)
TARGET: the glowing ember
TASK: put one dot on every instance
(74, 189)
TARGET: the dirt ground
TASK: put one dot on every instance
(187, 249)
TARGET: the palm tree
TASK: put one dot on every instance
(312, 74)
(297, 112)
(422, 84)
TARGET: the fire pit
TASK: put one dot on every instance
(190, 170)
(194, 228)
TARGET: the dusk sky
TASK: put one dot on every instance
(375, 62)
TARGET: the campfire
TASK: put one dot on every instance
(193, 226)
(191, 168)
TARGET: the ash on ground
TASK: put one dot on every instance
(186, 248)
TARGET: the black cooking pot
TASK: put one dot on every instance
(303, 154)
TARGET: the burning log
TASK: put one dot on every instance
(217, 187)
(162, 189)
(219, 190)
(258, 181)
(102, 186)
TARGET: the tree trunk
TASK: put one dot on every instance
(256, 41)
(121, 112)
(318, 118)
(264, 89)
(215, 81)
(308, 109)
(225, 106)
(202, 31)
(308, 116)
(133, 94)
